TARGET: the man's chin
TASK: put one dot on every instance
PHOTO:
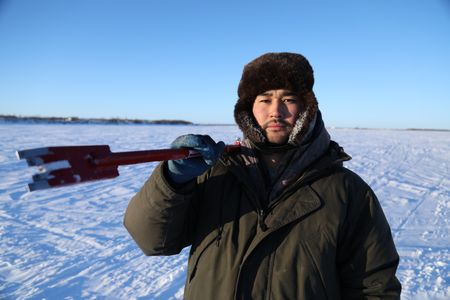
(279, 139)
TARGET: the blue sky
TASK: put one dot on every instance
(377, 63)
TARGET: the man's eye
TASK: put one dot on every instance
(290, 100)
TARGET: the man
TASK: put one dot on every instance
(281, 219)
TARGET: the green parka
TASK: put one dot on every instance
(324, 237)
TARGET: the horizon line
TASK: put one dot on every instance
(124, 121)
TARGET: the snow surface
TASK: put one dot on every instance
(69, 243)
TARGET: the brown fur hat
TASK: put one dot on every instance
(273, 71)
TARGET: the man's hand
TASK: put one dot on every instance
(184, 170)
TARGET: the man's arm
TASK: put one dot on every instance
(159, 217)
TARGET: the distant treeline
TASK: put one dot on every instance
(425, 129)
(77, 120)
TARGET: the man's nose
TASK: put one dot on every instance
(276, 110)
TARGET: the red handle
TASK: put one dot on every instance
(136, 157)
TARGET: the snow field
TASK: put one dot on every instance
(69, 243)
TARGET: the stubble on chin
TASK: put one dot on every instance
(280, 136)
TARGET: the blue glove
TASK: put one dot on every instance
(184, 170)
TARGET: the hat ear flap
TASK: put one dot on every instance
(248, 125)
(306, 119)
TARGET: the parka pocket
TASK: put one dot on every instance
(201, 281)
(197, 255)
(321, 252)
(316, 270)
(299, 272)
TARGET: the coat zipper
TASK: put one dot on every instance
(269, 276)
(261, 217)
(263, 213)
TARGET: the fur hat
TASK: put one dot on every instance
(273, 71)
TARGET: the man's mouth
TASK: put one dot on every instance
(276, 125)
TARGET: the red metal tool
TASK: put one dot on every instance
(61, 166)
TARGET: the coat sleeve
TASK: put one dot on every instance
(367, 258)
(159, 217)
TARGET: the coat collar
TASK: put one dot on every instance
(324, 165)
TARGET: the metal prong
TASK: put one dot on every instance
(34, 161)
(56, 165)
(31, 154)
(38, 185)
(42, 176)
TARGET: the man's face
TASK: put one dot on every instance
(276, 112)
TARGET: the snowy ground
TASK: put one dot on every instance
(69, 243)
